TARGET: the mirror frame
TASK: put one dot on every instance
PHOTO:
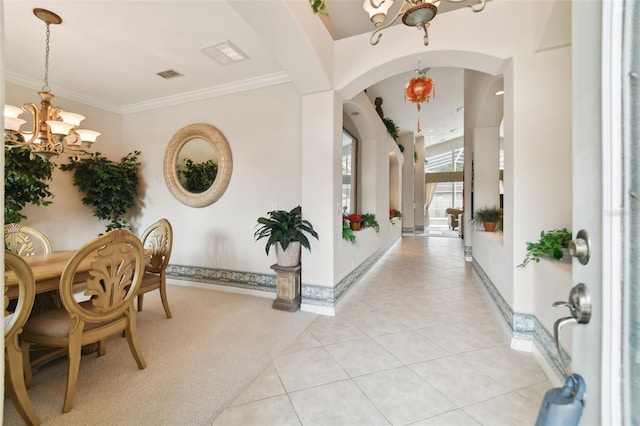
(225, 164)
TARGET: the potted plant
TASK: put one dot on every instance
(552, 243)
(110, 187)
(25, 182)
(355, 221)
(393, 215)
(347, 233)
(288, 232)
(488, 217)
(369, 219)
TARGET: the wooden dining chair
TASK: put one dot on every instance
(24, 240)
(14, 320)
(117, 265)
(158, 238)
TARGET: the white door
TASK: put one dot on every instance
(604, 168)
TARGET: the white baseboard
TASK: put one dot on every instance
(321, 310)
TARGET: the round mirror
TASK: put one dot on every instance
(197, 165)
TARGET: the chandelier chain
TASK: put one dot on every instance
(46, 87)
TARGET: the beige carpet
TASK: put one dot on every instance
(197, 363)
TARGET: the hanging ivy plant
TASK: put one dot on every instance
(110, 187)
(25, 182)
(197, 177)
(392, 129)
(319, 7)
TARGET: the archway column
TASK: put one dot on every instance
(320, 185)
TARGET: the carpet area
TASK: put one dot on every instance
(198, 362)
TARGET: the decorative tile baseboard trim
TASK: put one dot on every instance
(468, 253)
(419, 229)
(328, 297)
(247, 280)
(526, 327)
(313, 295)
(408, 230)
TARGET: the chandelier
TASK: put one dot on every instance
(418, 90)
(54, 130)
(415, 13)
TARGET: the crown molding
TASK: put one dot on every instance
(195, 95)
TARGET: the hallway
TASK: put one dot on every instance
(416, 342)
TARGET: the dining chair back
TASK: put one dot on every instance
(158, 239)
(24, 240)
(117, 265)
(16, 313)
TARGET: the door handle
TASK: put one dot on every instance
(579, 303)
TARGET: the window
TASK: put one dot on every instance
(349, 173)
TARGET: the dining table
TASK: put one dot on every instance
(47, 270)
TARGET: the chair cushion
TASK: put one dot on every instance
(55, 323)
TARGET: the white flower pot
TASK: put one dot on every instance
(289, 257)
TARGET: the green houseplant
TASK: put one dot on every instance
(392, 129)
(347, 233)
(319, 7)
(488, 217)
(284, 229)
(550, 244)
(369, 220)
(197, 177)
(110, 187)
(25, 182)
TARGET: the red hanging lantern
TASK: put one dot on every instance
(418, 90)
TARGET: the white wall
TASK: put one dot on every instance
(265, 148)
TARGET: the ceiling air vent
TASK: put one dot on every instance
(169, 74)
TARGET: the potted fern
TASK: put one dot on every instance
(488, 217)
(287, 231)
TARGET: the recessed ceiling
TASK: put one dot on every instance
(108, 54)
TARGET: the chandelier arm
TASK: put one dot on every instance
(384, 27)
(476, 8)
(426, 35)
(35, 112)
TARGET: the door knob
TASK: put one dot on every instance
(579, 248)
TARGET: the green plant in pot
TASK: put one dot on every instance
(551, 244)
(110, 187)
(488, 217)
(25, 182)
(287, 231)
(369, 220)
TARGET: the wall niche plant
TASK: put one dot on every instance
(110, 187)
(551, 244)
(25, 182)
(197, 177)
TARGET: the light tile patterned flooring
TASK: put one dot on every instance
(416, 342)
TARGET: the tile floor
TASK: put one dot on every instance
(416, 342)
